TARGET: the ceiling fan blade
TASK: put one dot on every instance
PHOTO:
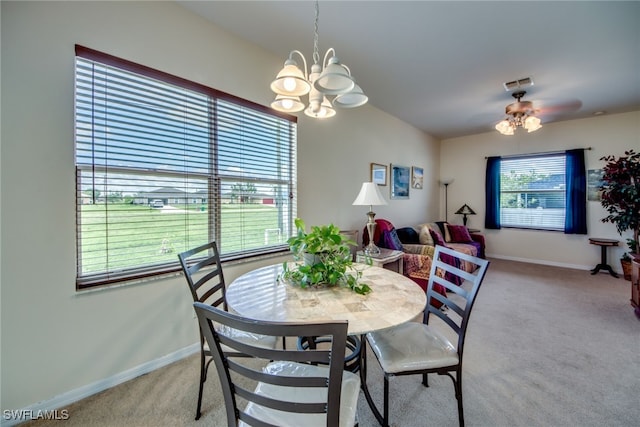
(544, 108)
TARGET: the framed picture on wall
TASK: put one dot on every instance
(416, 177)
(379, 174)
(594, 180)
(400, 181)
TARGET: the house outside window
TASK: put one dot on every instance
(164, 165)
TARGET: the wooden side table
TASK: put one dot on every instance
(604, 244)
(389, 259)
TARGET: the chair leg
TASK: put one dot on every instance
(458, 387)
(203, 378)
(425, 380)
(385, 405)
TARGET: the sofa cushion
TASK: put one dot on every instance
(408, 235)
(437, 238)
(424, 236)
(459, 233)
(391, 240)
(444, 230)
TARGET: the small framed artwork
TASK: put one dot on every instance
(400, 181)
(416, 177)
(594, 181)
(379, 174)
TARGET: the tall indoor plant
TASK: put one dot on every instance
(621, 194)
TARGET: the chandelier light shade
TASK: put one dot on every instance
(519, 114)
(370, 195)
(330, 78)
(287, 103)
(464, 211)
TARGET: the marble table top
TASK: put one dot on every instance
(394, 299)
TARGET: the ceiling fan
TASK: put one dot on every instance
(526, 114)
(519, 114)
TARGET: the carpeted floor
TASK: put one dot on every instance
(546, 346)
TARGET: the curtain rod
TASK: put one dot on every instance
(537, 154)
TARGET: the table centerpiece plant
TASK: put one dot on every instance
(621, 195)
(323, 258)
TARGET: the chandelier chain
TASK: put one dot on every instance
(316, 55)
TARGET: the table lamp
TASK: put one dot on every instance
(370, 195)
(464, 211)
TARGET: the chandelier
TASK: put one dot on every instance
(330, 78)
(519, 114)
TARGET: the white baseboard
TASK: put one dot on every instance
(544, 262)
(80, 393)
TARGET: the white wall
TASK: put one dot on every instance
(56, 340)
(464, 159)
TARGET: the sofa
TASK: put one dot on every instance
(418, 244)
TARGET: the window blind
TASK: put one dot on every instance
(532, 192)
(164, 165)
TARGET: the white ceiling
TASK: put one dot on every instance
(441, 65)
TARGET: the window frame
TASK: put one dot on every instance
(575, 195)
(213, 179)
(561, 191)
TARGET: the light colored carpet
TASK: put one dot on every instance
(546, 346)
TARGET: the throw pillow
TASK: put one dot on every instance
(425, 236)
(408, 235)
(444, 231)
(437, 238)
(459, 233)
(391, 240)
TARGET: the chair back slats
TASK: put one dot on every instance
(208, 278)
(258, 375)
(281, 405)
(216, 290)
(278, 368)
(456, 307)
(241, 346)
(207, 286)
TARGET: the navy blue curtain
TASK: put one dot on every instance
(575, 220)
(492, 194)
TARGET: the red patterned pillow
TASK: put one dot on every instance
(437, 238)
(459, 233)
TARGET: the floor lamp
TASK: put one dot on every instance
(446, 183)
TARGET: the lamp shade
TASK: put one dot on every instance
(290, 81)
(321, 111)
(369, 195)
(287, 104)
(532, 124)
(352, 99)
(465, 210)
(334, 79)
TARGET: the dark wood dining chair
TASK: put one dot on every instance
(421, 348)
(203, 270)
(280, 387)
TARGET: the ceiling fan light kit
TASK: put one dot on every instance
(519, 114)
(330, 78)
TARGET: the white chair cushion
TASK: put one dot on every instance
(412, 346)
(348, 397)
(265, 341)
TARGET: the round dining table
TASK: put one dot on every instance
(394, 299)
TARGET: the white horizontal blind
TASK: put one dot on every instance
(162, 168)
(532, 192)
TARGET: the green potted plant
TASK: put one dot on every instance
(621, 195)
(323, 258)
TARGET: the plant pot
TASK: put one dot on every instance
(626, 268)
